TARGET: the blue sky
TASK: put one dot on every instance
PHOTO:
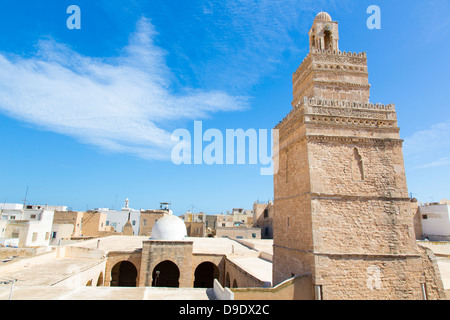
(85, 115)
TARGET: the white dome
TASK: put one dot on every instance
(169, 227)
(324, 16)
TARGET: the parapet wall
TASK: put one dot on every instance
(299, 108)
(297, 288)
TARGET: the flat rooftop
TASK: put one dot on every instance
(223, 246)
(35, 282)
(244, 253)
(444, 268)
(48, 272)
(105, 293)
(439, 248)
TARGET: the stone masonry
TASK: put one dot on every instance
(342, 211)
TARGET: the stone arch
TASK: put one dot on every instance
(166, 274)
(124, 274)
(328, 40)
(205, 273)
(313, 41)
(235, 285)
(89, 283)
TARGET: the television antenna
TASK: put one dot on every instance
(25, 200)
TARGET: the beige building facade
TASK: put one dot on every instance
(343, 214)
(238, 233)
(148, 219)
(195, 224)
(70, 217)
(94, 224)
(196, 229)
(263, 214)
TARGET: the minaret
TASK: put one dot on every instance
(342, 210)
(327, 72)
(128, 227)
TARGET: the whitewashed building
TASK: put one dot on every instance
(118, 219)
(61, 233)
(32, 225)
(435, 219)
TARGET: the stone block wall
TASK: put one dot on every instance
(357, 169)
(341, 76)
(116, 257)
(372, 226)
(369, 277)
(156, 251)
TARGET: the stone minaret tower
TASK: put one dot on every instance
(342, 211)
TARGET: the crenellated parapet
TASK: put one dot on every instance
(332, 56)
(333, 75)
(340, 53)
(342, 112)
(317, 101)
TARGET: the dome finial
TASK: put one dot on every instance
(323, 16)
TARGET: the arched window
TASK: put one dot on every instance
(313, 41)
(328, 40)
(357, 166)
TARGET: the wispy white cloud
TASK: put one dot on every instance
(438, 163)
(428, 148)
(250, 39)
(117, 104)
